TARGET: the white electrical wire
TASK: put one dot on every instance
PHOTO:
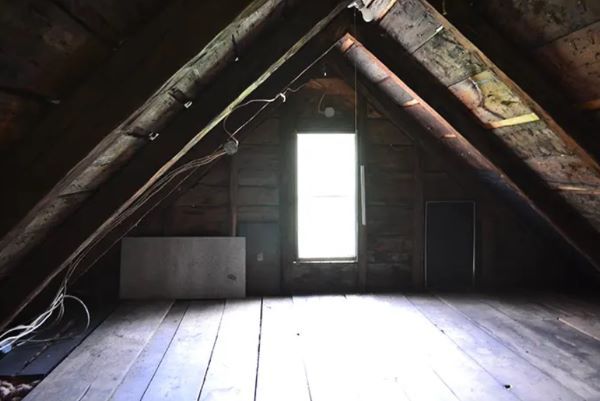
(22, 332)
(88, 320)
(282, 95)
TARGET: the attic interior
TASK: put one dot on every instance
(285, 200)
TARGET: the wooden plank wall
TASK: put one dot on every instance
(400, 178)
(390, 188)
(205, 208)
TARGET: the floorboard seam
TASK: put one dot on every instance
(508, 346)
(480, 326)
(262, 304)
(164, 353)
(297, 321)
(212, 351)
(577, 329)
(483, 368)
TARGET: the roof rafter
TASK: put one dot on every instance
(426, 126)
(278, 55)
(510, 115)
(516, 64)
(97, 129)
(487, 107)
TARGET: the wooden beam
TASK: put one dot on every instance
(517, 65)
(136, 92)
(450, 126)
(451, 57)
(543, 150)
(567, 220)
(278, 55)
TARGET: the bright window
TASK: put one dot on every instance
(326, 196)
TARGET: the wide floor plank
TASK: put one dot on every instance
(181, 373)
(281, 373)
(97, 366)
(585, 325)
(231, 375)
(583, 348)
(450, 347)
(328, 347)
(525, 380)
(463, 375)
(580, 315)
(135, 383)
(393, 370)
(557, 357)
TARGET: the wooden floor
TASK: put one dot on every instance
(330, 348)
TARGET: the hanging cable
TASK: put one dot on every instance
(282, 95)
(23, 332)
(20, 333)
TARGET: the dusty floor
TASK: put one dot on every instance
(329, 348)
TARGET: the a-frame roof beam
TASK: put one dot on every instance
(507, 112)
(451, 57)
(454, 155)
(98, 127)
(447, 122)
(277, 55)
(529, 76)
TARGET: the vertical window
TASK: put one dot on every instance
(326, 196)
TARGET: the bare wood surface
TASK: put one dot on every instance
(442, 111)
(140, 374)
(233, 363)
(537, 346)
(97, 366)
(324, 324)
(181, 371)
(417, 347)
(395, 364)
(182, 135)
(526, 380)
(281, 374)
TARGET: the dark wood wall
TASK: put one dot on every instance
(250, 194)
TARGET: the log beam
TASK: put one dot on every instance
(447, 126)
(97, 128)
(277, 55)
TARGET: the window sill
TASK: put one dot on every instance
(324, 261)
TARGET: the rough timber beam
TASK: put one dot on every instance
(508, 114)
(516, 64)
(97, 128)
(181, 183)
(277, 55)
(456, 131)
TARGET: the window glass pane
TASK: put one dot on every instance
(326, 197)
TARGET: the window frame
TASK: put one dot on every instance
(357, 200)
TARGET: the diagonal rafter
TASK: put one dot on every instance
(528, 75)
(511, 117)
(278, 54)
(445, 126)
(96, 129)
